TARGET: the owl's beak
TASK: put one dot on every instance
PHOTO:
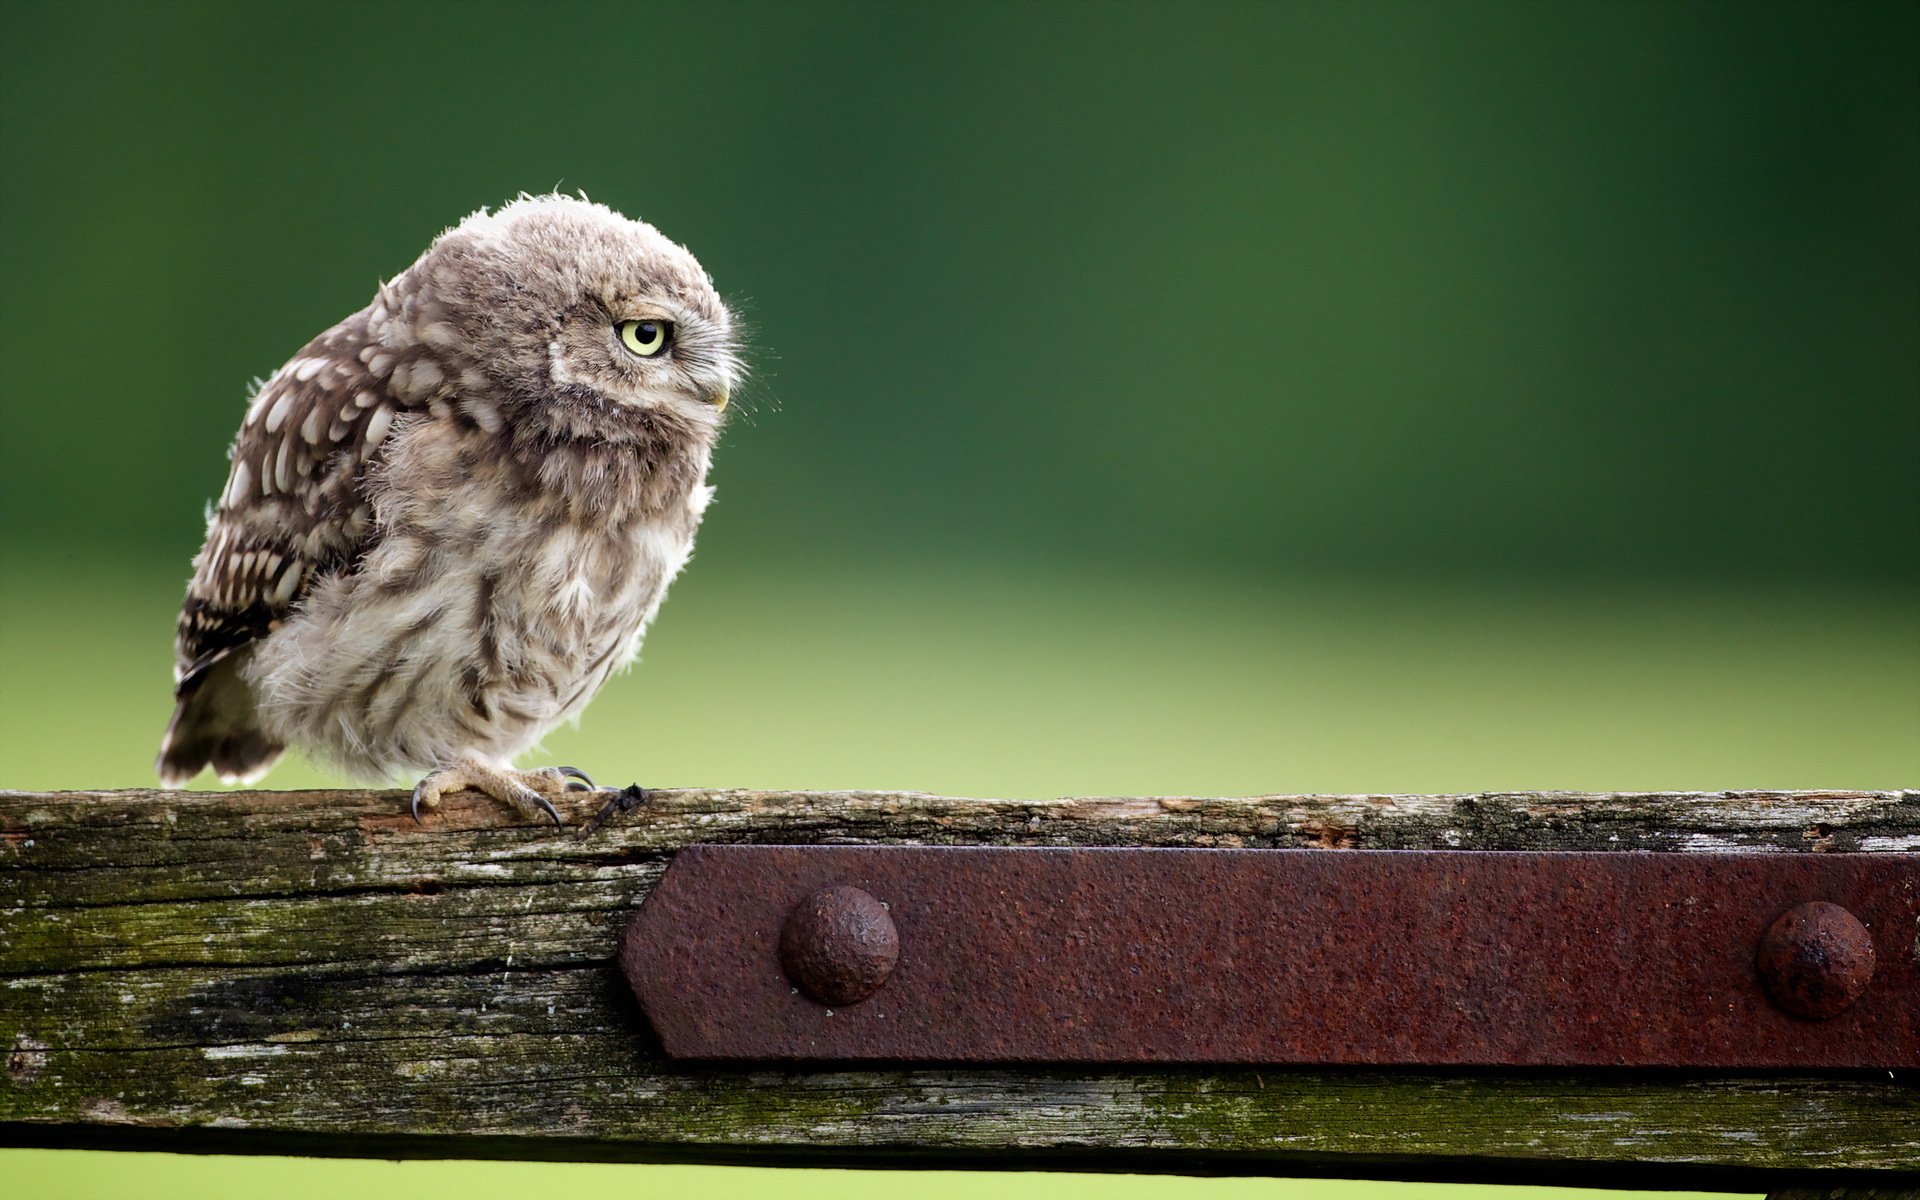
(718, 398)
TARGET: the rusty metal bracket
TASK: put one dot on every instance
(1031, 955)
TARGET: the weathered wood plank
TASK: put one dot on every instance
(313, 971)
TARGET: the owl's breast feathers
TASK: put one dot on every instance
(496, 597)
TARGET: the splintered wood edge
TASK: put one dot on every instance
(1682, 821)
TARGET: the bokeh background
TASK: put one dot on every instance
(1204, 398)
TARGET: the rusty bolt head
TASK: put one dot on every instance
(1817, 959)
(839, 945)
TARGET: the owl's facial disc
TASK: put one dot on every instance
(650, 337)
(605, 321)
(663, 353)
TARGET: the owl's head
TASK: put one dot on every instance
(581, 321)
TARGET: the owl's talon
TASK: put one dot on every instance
(525, 791)
(529, 802)
(426, 793)
(576, 775)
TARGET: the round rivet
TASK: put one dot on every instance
(1817, 959)
(839, 945)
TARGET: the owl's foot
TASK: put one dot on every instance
(624, 800)
(527, 792)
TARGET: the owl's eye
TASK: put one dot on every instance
(646, 338)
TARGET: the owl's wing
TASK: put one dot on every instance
(295, 509)
(295, 505)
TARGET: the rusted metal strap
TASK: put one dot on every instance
(998, 955)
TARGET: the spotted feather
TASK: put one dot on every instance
(295, 508)
(296, 503)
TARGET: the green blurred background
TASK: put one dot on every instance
(1200, 398)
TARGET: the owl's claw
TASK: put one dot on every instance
(625, 800)
(576, 775)
(545, 805)
(526, 791)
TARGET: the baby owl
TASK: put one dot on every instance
(451, 516)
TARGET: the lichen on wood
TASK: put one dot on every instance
(313, 971)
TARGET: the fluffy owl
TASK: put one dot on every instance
(451, 516)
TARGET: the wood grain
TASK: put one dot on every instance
(312, 972)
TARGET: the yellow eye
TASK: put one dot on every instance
(646, 338)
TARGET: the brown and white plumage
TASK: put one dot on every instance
(452, 515)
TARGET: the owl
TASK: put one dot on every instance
(452, 516)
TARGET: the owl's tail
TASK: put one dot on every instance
(215, 725)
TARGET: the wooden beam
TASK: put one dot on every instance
(313, 972)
